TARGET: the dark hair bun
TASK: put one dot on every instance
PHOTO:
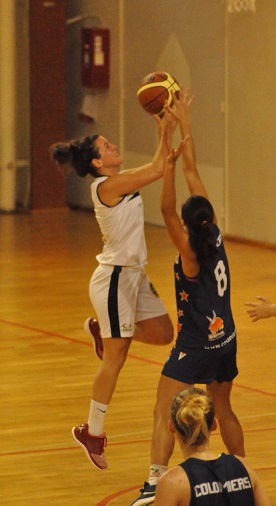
(62, 153)
(79, 153)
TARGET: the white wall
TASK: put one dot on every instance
(229, 62)
(235, 151)
(174, 36)
(252, 123)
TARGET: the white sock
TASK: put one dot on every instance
(155, 472)
(96, 418)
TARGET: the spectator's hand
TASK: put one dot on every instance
(259, 310)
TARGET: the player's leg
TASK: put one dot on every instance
(230, 427)
(107, 291)
(162, 439)
(105, 297)
(153, 324)
(90, 435)
(115, 353)
(157, 330)
(135, 296)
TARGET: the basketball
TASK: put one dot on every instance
(155, 89)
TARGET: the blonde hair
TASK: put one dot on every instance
(193, 415)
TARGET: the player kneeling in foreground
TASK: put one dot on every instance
(204, 477)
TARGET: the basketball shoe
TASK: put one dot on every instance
(92, 445)
(147, 495)
(92, 328)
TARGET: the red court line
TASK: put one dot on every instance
(45, 332)
(118, 443)
(255, 390)
(69, 448)
(135, 357)
(119, 493)
(122, 492)
(147, 360)
(260, 430)
(107, 500)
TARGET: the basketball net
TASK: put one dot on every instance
(241, 5)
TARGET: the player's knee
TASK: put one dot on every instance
(168, 333)
(168, 338)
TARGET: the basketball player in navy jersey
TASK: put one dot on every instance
(205, 349)
(125, 301)
(204, 478)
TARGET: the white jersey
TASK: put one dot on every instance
(122, 228)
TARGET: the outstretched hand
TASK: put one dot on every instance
(165, 122)
(259, 310)
(181, 106)
(176, 152)
(166, 126)
(180, 109)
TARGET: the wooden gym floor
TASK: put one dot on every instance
(47, 364)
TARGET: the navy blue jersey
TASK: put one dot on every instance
(205, 318)
(224, 481)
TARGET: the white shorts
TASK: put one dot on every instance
(123, 296)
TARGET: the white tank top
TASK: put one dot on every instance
(122, 228)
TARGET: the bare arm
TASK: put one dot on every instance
(262, 309)
(179, 235)
(173, 489)
(182, 111)
(260, 496)
(114, 188)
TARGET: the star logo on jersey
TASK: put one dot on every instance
(179, 327)
(181, 355)
(216, 327)
(177, 276)
(180, 313)
(184, 295)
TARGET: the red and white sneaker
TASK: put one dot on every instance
(92, 328)
(92, 445)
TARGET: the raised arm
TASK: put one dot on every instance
(168, 196)
(182, 111)
(178, 233)
(113, 188)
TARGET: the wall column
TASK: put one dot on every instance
(7, 106)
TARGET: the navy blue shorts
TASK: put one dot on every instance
(202, 366)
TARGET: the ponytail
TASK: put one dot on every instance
(198, 215)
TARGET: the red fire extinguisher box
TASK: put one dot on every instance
(95, 57)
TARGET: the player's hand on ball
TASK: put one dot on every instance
(181, 106)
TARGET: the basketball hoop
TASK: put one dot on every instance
(241, 5)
